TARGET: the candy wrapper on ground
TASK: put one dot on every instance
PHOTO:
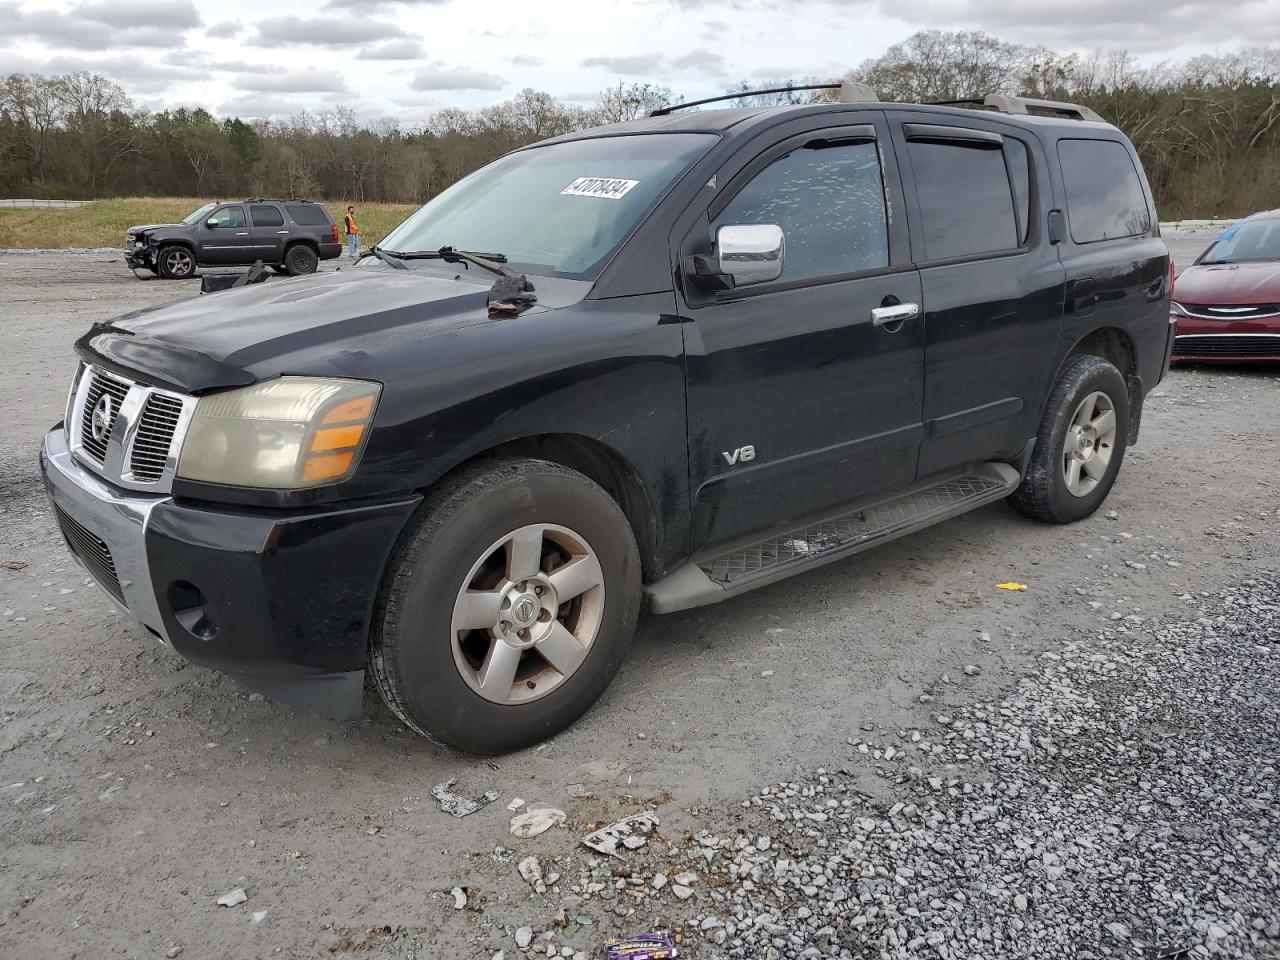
(646, 946)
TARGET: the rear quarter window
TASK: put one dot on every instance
(1105, 200)
(308, 214)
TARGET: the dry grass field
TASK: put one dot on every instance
(103, 222)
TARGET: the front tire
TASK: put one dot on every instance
(1080, 444)
(176, 263)
(300, 259)
(506, 613)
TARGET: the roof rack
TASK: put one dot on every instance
(1028, 106)
(850, 92)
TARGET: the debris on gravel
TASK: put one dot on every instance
(457, 805)
(233, 899)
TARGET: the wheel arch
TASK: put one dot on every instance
(601, 463)
(1114, 345)
(300, 242)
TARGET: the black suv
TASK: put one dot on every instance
(668, 360)
(292, 236)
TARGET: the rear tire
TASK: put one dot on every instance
(300, 259)
(176, 263)
(1080, 445)
(546, 559)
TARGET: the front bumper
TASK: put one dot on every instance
(1227, 341)
(137, 257)
(282, 600)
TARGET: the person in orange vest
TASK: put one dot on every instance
(353, 232)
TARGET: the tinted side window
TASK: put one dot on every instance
(307, 214)
(264, 215)
(966, 200)
(229, 217)
(1104, 195)
(829, 203)
(1019, 164)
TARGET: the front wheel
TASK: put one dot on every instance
(176, 263)
(1080, 444)
(508, 610)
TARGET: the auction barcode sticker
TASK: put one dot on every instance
(605, 187)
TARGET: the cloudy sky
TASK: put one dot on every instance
(405, 58)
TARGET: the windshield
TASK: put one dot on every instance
(200, 214)
(560, 210)
(1252, 240)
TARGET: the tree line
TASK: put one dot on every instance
(1208, 128)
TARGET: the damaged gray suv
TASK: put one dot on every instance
(290, 236)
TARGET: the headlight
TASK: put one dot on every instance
(284, 434)
(1177, 309)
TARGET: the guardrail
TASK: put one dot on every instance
(67, 204)
(1196, 224)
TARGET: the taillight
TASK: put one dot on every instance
(1173, 274)
(333, 234)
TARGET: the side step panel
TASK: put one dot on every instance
(710, 579)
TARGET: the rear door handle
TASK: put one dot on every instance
(285, 232)
(896, 313)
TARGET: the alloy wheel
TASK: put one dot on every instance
(1089, 444)
(527, 614)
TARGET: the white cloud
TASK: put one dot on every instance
(440, 76)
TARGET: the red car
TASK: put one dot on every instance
(1227, 304)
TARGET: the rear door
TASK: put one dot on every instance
(991, 282)
(225, 237)
(799, 401)
(268, 232)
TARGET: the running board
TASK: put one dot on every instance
(710, 579)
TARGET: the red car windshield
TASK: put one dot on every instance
(1252, 241)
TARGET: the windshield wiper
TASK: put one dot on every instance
(386, 256)
(511, 292)
(489, 261)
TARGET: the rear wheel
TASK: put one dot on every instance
(1080, 444)
(176, 263)
(509, 609)
(300, 259)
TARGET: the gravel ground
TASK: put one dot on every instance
(1084, 769)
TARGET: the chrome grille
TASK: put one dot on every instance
(1227, 345)
(99, 384)
(139, 449)
(93, 552)
(1232, 311)
(151, 444)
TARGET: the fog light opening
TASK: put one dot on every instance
(191, 609)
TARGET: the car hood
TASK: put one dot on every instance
(143, 228)
(1229, 283)
(336, 323)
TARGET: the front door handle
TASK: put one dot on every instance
(245, 234)
(896, 313)
(285, 232)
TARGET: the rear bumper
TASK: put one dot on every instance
(283, 601)
(330, 251)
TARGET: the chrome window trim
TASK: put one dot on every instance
(115, 467)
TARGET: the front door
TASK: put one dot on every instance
(225, 237)
(801, 398)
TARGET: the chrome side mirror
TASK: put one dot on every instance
(750, 253)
